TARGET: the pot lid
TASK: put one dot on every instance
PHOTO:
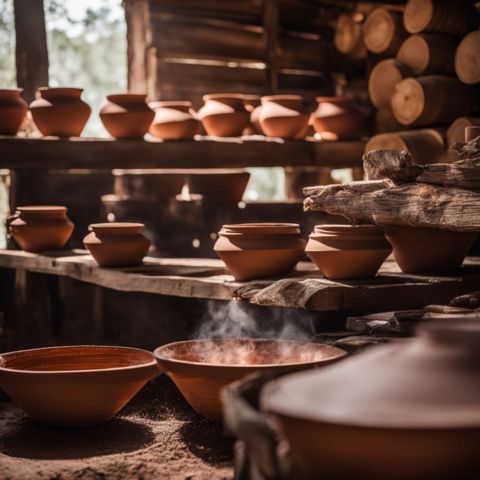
(431, 381)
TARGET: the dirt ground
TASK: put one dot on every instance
(157, 436)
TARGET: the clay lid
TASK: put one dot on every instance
(117, 228)
(262, 228)
(431, 381)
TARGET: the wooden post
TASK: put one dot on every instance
(31, 46)
(270, 26)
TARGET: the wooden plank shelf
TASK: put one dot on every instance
(203, 152)
(303, 289)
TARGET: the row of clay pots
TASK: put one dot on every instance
(339, 251)
(61, 112)
(48, 228)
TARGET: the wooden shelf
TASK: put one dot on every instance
(204, 152)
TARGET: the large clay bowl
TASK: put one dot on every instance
(201, 368)
(75, 386)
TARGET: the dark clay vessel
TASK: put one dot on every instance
(173, 120)
(12, 110)
(60, 111)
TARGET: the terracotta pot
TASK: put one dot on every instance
(218, 184)
(126, 115)
(60, 112)
(117, 244)
(40, 228)
(224, 115)
(173, 120)
(253, 106)
(201, 368)
(284, 116)
(337, 118)
(76, 386)
(258, 250)
(418, 397)
(429, 250)
(13, 109)
(348, 252)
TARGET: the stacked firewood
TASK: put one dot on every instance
(399, 192)
(423, 86)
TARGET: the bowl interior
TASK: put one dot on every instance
(75, 358)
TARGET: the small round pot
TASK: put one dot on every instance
(173, 120)
(284, 116)
(258, 250)
(78, 386)
(224, 115)
(218, 184)
(117, 244)
(348, 252)
(429, 250)
(40, 228)
(60, 112)
(126, 115)
(337, 118)
(13, 109)
(201, 368)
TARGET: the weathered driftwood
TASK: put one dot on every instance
(411, 204)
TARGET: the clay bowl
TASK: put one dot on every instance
(201, 368)
(75, 386)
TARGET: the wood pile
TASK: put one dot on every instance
(399, 192)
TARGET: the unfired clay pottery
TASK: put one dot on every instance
(257, 250)
(348, 252)
(406, 410)
(117, 244)
(429, 250)
(13, 109)
(337, 118)
(173, 120)
(201, 368)
(40, 228)
(284, 116)
(78, 386)
(218, 184)
(60, 111)
(126, 115)
(224, 114)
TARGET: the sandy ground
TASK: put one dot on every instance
(157, 436)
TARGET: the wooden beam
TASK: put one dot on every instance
(31, 46)
(270, 19)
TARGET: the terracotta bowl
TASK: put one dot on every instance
(75, 386)
(201, 368)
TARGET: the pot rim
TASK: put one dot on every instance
(261, 228)
(116, 227)
(269, 98)
(4, 359)
(41, 209)
(219, 96)
(337, 353)
(333, 228)
(17, 91)
(170, 103)
(137, 96)
(334, 98)
(60, 91)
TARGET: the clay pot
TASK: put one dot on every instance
(13, 109)
(173, 120)
(60, 112)
(418, 397)
(348, 252)
(78, 386)
(126, 115)
(337, 118)
(40, 228)
(117, 244)
(253, 106)
(284, 116)
(218, 184)
(429, 250)
(224, 115)
(201, 368)
(258, 250)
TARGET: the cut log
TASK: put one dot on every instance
(391, 164)
(348, 37)
(440, 16)
(383, 31)
(431, 100)
(428, 53)
(408, 205)
(382, 81)
(456, 131)
(467, 59)
(425, 146)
